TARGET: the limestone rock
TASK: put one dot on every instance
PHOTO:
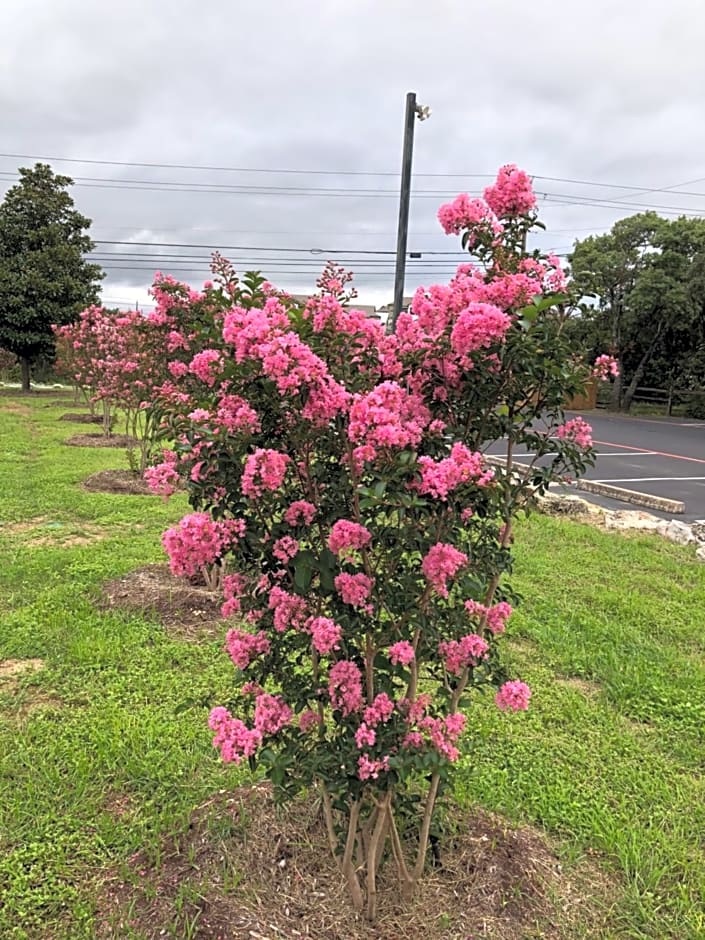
(698, 530)
(554, 505)
(678, 532)
(633, 519)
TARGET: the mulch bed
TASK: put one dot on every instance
(120, 482)
(187, 609)
(247, 870)
(81, 418)
(99, 440)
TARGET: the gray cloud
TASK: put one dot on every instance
(585, 91)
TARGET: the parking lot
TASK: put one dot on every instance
(657, 456)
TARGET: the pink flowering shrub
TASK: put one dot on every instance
(127, 360)
(363, 538)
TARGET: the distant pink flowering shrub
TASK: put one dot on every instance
(341, 488)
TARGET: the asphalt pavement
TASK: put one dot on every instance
(662, 457)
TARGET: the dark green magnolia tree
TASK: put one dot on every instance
(44, 276)
(646, 281)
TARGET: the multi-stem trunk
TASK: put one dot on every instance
(366, 841)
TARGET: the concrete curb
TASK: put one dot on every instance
(674, 506)
(632, 496)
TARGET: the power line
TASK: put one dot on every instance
(367, 173)
(339, 193)
(307, 251)
(236, 169)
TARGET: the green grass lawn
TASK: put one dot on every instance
(98, 761)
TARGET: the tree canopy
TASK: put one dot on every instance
(44, 276)
(643, 291)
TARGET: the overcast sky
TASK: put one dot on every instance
(591, 90)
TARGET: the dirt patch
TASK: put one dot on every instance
(67, 541)
(99, 440)
(64, 534)
(76, 417)
(585, 686)
(17, 409)
(184, 608)
(18, 528)
(43, 531)
(12, 668)
(25, 699)
(118, 805)
(246, 870)
(122, 482)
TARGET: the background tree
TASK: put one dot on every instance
(607, 268)
(648, 279)
(44, 276)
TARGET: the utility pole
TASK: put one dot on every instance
(412, 110)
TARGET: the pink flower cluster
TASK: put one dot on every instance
(466, 213)
(604, 367)
(199, 541)
(380, 711)
(439, 478)
(243, 647)
(163, 478)
(369, 768)
(325, 634)
(308, 720)
(401, 653)
(388, 416)
(494, 617)
(271, 713)
(513, 696)
(233, 738)
(300, 512)
(477, 327)
(576, 430)
(346, 536)
(264, 472)
(285, 548)
(264, 335)
(207, 365)
(511, 194)
(234, 414)
(289, 609)
(233, 588)
(440, 733)
(442, 562)
(345, 687)
(354, 589)
(457, 655)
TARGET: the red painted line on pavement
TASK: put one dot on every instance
(658, 453)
